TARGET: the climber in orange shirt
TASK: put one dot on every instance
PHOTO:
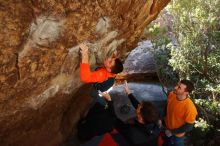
(102, 78)
(180, 114)
(111, 67)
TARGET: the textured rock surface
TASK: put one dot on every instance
(40, 100)
(140, 60)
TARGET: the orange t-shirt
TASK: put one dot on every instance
(100, 75)
(179, 112)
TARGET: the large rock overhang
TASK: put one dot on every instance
(40, 95)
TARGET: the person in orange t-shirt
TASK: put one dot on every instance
(111, 67)
(180, 114)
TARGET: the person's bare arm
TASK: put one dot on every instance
(84, 52)
(86, 74)
(127, 90)
(131, 97)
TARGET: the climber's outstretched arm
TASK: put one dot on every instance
(86, 74)
(84, 52)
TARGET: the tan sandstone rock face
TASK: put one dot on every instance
(41, 96)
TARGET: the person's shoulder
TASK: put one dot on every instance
(190, 104)
(189, 101)
(101, 68)
(171, 95)
(102, 72)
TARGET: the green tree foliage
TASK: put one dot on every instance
(162, 43)
(196, 24)
(195, 56)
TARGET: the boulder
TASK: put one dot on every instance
(41, 95)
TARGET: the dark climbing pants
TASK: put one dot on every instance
(97, 122)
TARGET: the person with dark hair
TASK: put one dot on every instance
(118, 66)
(143, 131)
(112, 66)
(103, 78)
(180, 114)
(146, 111)
(149, 112)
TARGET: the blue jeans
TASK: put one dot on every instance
(173, 141)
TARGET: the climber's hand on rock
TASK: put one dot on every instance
(83, 49)
(84, 52)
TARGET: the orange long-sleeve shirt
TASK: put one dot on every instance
(89, 76)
